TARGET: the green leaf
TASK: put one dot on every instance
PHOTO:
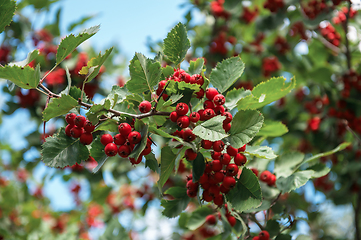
(226, 73)
(195, 67)
(97, 110)
(168, 71)
(151, 162)
(97, 152)
(163, 134)
(272, 129)
(114, 230)
(198, 217)
(180, 87)
(273, 227)
(267, 92)
(110, 125)
(60, 150)
(247, 192)
(303, 237)
(234, 96)
(172, 99)
(24, 77)
(75, 92)
(95, 63)
(198, 165)
(143, 129)
(144, 73)
(211, 129)
(173, 208)
(7, 10)
(261, 152)
(283, 237)
(59, 106)
(167, 163)
(71, 42)
(340, 147)
(176, 44)
(31, 56)
(286, 163)
(245, 125)
(116, 95)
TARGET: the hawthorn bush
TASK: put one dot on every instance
(226, 143)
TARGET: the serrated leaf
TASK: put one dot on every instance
(167, 71)
(97, 152)
(143, 129)
(176, 44)
(60, 150)
(233, 96)
(71, 42)
(59, 106)
(198, 217)
(31, 56)
(75, 92)
(261, 152)
(110, 125)
(266, 93)
(167, 163)
(24, 77)
(151, 162)
(245, 125)
(211, 129)
(195, 67)
(286, 163)
(179, 87)
(226, 73)
(7, 10)
(97, 110)
(247, 192)
(126, 107)
(95, 63)
(272, 129)
(173, 208)
(144, 73)
(198, 166)
(172, 99)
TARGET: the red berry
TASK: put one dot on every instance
(192, 185)
(200, 93)
(124, 151)
(227, 127)
(111, 149)
(146, 150)
(232, 220)
(218, 177)
(69, 118)
(232, 151)
(182, 109)
(203, 179)
(188, 135)
(206, 196)
(223, 189)
(106, 139)
(218, 146)
(161, 86)
(218, 200)
(173, 116)
(208, 114)
(88, 126)
(229, 117)
(197, 79)
(216, 155)
(191, 193)
(211, 219)
(265, 175)
(219, 110)
(86, 138)
(206, 144)
(133, 161)
(76, 131)
(271, 180)
(219, 99)
(134, 137)
(211, 93)
(119, 139)
(240, 159)
(242, 149)
(145, 107)
(263, 235)
(194, 117)
(232, 170)
(190, 154)
(80, 121)
(225, 158)
(183, 121)
(67, 129)
(229, 182)
(124, 129)
(216, 165)
(255, 171)
(208, 104)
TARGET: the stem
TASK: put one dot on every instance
(254, 219)
(41, 80)
(345, 29)
(160, 95)
(328, 44)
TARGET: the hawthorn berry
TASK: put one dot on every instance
(218, 177)
(216, 155)
(211, 93)
(232, 220)
(216, 165)
(232, 170)
(124, 151)
(225, 158)
(263, 235)
(67, 130)
(161, 86)
(265, 175)
(194, 117)
(69, 118)
(76, 131)
(227, 127)
(197, 79)
(146, 150)
(80, 121)
(206, 196)
(134, 137)
(86, 138)
(133, 161)
(200, 93)
(181, 109)
(219, 110)
(208, 104)
(183, 121)
(242, 149)
(232, 151)
(219, 99)
(124, 129)
(88, 126)
(211, 219)
(208, 114)
(206, 144)
(191, 193)
(145, 107)
(240, 159)
(218, 146)
(190, 154)
(173, 116)
(228, 116)
(203, 178)
(218, 200)
(106, 139)
(188, 135)
(229, 182)
(111, 149)
(119, 139)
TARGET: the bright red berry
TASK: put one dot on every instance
(242, 149)
(69, 118)
(67, 130)
(200, 93)
(86, 138)
(232, 220)
(211, 219)
(216, 165)
(211, 93)
(218, 146)
(219, 110)
(146, 150)
(208, 104)
(80, 121)
(173, 116)
(232, 151)
(227, 127)
(183, 121)
(229, 117)
(111, 149)
(216, 155)
(76, 131)
(240, 159)
(219, 99)
(263, 235)
(197, 79)
(206, 144)
(145, 107)
(190, 154)
(194, 117)
(133, 161)
(106, 139)
(124, 129)
(119, 139)
(232, 170)
(229, 182)
(134, 137)
(208, 114)
(265, 175)
(225, 158)
(182, 109)
(124, 151)
(88, 126)
(188, 135)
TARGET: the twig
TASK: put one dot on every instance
(254, 219)
(328, 44)
(160, 95)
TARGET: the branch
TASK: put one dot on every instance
(254, 219)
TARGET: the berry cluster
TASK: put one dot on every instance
(281, 45)
(329, 32)
(342, 15)
(313, 8)
(218, 44)
(212, 219)
(273, 5)
(249, 16)
(79, 127)
(27, 100)
(263, 235)
(298, 28)
(267, 177)
(269, 65)
(218, 10)
(124, 142)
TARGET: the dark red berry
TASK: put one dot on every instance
(232, 151)
(227, 127)
(119, 139)
(124, 129)
(146, 150)
(216, 165)
(88, 126)
(197, 79)
(194, 117)
(225, 158)
(80, 121)
(200, 93)
(190, 154)
(232, 220)
(229, 117)
(208, 104)
(145, 107)
(182, 109)
(242, 149)
(206, 144)
(183, 121)
(218, 200)
(106, 139)
(211, 219)
(218, 146)
(216, 155)
(265, 175)
(111, 149)
(86, 138)
(229, 182)
(191, 193)
(134, 137)
(69, 118)
(67, 130)
(232, 170)
(208, 114)
(188, 135)
(206, 196)
(76, 131)
(211, 93)
(124, 151)
(219, 110)
(240, 159)
(219, 99)
(263, 235)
